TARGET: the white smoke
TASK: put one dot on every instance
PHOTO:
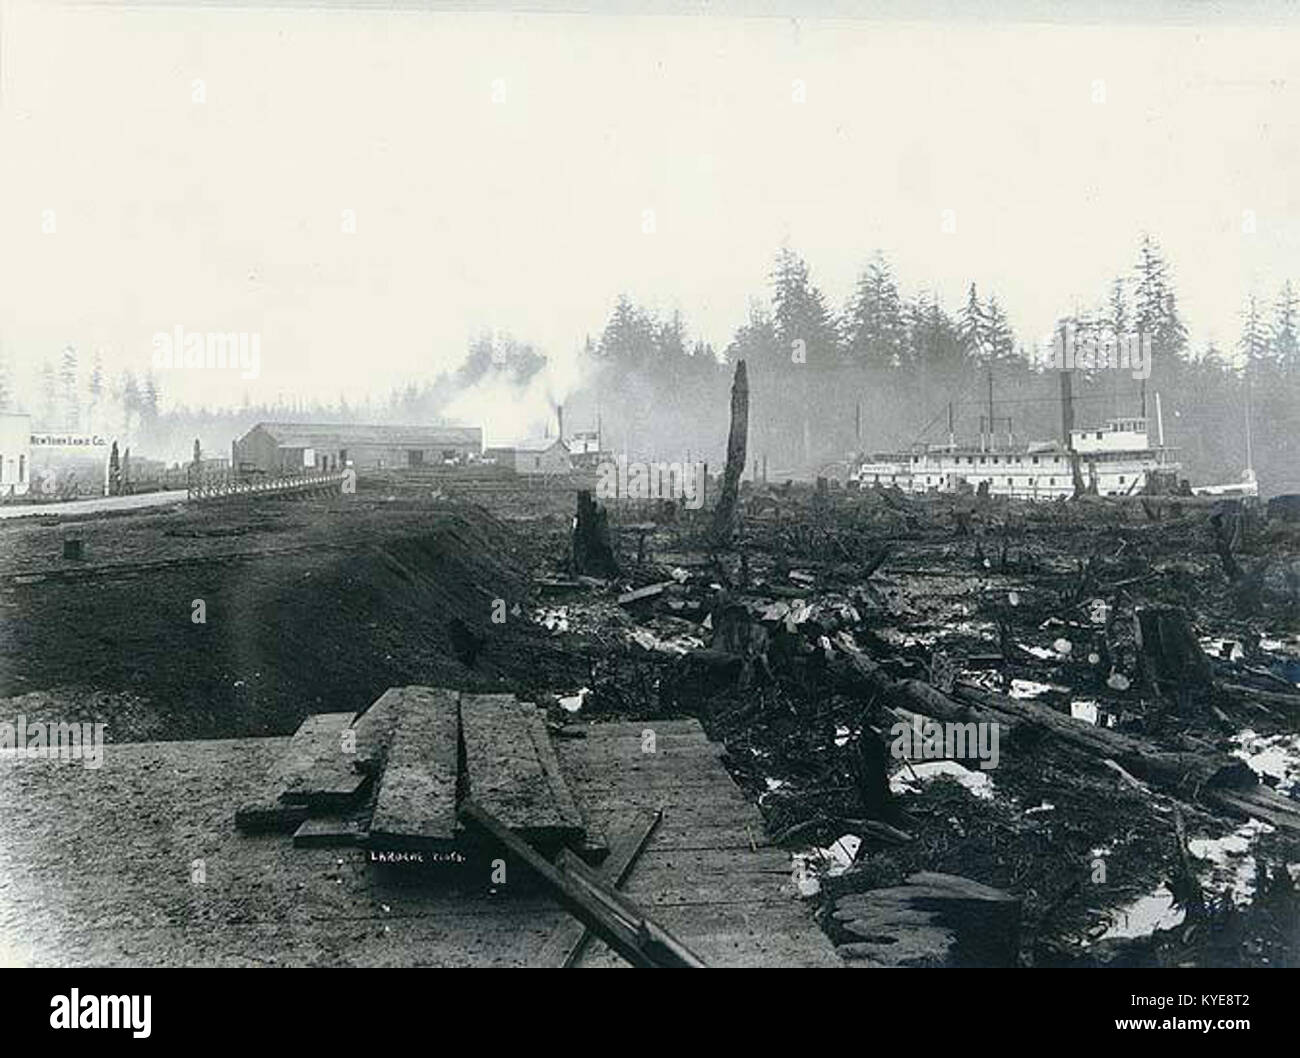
(509, 412)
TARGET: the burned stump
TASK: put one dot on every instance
(592, 553)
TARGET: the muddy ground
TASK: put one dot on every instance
(319, 605)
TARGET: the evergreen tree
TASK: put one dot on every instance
(1254, 341)
(999, 339)
(973, 329)
(114, 472)
(629, 339)
(96, 389)
(874, 330)
(800, 313)
(1285, 342)
(149, 400)
(1117, 318)
(130, 397)
(71, 414)
(49, 416)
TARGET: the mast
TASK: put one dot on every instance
(1250, 462)
(1067, 399)
(990, 407)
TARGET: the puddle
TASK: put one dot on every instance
(574, 702)
(1271, 756)
(977, 782)
(1144, 916)
(810, 866)
(1229, 868)
(1225, 867)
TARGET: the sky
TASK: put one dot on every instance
(367, 189)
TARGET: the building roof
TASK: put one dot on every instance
(316, 435)
(543, 445)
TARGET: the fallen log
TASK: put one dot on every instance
(1279, 699)
(1214, 777)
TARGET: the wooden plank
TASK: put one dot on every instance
(641, 594)
(317, 769)
(374, 727)
(550, 763)
(271, 903)
(617, 921)
(505, 774)
(416, 804)
(564, 946)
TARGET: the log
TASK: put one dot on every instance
(724, 516)
(1214, 777)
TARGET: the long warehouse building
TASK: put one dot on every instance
(284, 447)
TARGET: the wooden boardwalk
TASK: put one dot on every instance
(102, 867)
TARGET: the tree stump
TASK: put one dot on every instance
(592, 553)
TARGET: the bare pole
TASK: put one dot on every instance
(724, 517)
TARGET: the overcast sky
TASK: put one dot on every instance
(500, 168)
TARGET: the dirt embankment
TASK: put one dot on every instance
(306, 607)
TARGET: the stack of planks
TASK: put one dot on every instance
(391, 777)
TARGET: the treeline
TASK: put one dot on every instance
(879, 372)
(883, 370)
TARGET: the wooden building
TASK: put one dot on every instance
(286, 448)
(538, 457)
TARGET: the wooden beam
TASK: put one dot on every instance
(416, 804)
(564, 946)
(613, 919)
(317, 769)
(505, 772)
